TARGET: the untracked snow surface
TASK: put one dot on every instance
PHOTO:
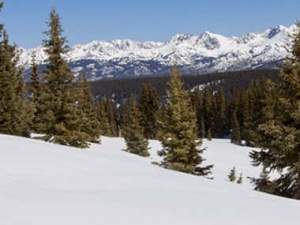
(47, 184)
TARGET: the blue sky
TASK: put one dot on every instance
(158, 20)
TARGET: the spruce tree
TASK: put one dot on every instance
(64, 124)
(281, 131)
(178, 131)
(232, 175)
(133, 131)
(90, 123)
(198, 106)
(36, 93)
(220, 114)
(240, 179)
(15, 110)
(235, 127)
(202, 132)
(209, 112)
(209, 135)
(263, 183)
(35, 85)
(247, 118)
(149, 104)
(103, 118)
(112, 117)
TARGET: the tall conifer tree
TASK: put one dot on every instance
(235, 128)
(90, 123)
(220, 118)
(64, 124)
(178, 131)
(149, 104)
(133, 131)
(15, 110)
(36, 94)
(103, 118)
(281, 131)
(112, 117)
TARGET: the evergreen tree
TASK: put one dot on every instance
(102, 115)
(240, 179)
(280, 131)
(202, 128)
(36, 94)
(135, 141)
(209, 135)
(1, 25)
(15, 110)
(149, 104)
(198, 105)
(263, 183)
(208, 112)
(123, 117)
(90, 123)
(178, 131)
(35, 86)
(235, 129)
(63, 121)
(112, 120)
(247, 119)
(220, 114)
(232, 175)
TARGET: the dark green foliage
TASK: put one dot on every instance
(133, 131)
(122, 88)
(209, 112)
(232, 175)
(240, 179)
(279, 134)
(63, 122)
(103, 118)
(111, 110)
(209, 135)
(15, 110)
(37, 97)
(235, 128)
(149, 105)
(178, 131)
(220, 114)
(90, 123)
(35, 86)
(264, 183)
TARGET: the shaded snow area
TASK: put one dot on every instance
(47, 184)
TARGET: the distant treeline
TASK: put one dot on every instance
(119, 89)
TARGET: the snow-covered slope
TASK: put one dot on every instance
(42, 183)
(203, 53)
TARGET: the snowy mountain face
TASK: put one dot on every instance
(203, 53)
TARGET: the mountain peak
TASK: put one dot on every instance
(179, 38)
(204, 53)
(272, 32)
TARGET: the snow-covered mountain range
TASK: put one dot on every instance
(204, 53)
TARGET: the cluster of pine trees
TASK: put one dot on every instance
(264, 115)
(61, 107)
(55, 103)
(278, 133)
(15, 110)
(235, 114)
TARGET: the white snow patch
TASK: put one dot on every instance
(43, 183)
